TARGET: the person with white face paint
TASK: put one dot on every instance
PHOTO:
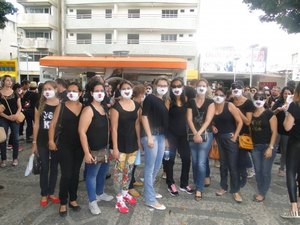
(155, 123)
(246, 109)
(177, 139)
(227, 126)
(125, 125)
(70, 154)
(94, 132)
(49, 168)
(200, 113)
(264, 133)
(149, 89)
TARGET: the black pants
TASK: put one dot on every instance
(244, 163)
(180, 144)
(132, 181)
(292, 167)
(29, 117)
(70, 160)
(49, 169)
(14, 128)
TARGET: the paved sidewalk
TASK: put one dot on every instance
(19, 203)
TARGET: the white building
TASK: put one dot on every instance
(164, 28)
(8, 36)
(39, 26)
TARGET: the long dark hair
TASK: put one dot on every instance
(173, 97)
(281, 97)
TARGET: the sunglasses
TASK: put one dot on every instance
(260, 98)
(219, 95)
(177, 86)
(236, 86)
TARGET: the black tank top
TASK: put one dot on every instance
(97, 132)
(225, 122)
(177, 119)
(44, 124)
(127, 138)
(69, 133)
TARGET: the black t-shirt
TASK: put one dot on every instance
(127, 138)
(44, 124)
(261, 129)
(190, 92)
(158, 116)
(177, 119)
(280, 117)
(30, 100)
(294, 110)
(12, 101)
(248, 106)
(200, 112)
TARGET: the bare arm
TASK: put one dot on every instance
(51, 133)
(288, 122)
(19, 106)
(273, 126)
(114, 119)
(138, 129)
(189, 117)
(146, 126)
(36, 127)
(84, 123)
(239, 122)
(246, 118)
(209, 116)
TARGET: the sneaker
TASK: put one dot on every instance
(281, 173)
(221, 192)
(94, 208)
(250, 173)
(20, 148)
(158, 206)
(164, 175)
(128, 198)
(142, 179)
(134, 193)
(122, 207)
(104, 197)
(21, 137)
(173, 190)
(187, 189)
(9, 147)
(157, 196)
(15, 162)
(3, 164)
(217, 164)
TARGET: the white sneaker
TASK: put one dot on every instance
(158, 206)
(158, 196)
(104, 197)
(94, 208)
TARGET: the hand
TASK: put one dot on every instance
(116, 154)
(268, 153)
(11, 118)
(33, 148)
(150, 142)
(233, 138)
(214, 130)
(52, 146)
(197, 138)
(88, 158)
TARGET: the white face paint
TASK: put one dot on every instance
(237, 92)
(49, 94)
(73, 96)
(149, 91)
(290, 99)
(201, 90)
(218, 99)
(162, 90)
(259, 103)
(177, 91)
(126, 93)
(98, 96)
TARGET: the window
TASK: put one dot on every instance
(84, 39)
(168, 13)
(34, 56)
(71, 10)
(108, 38)
(133, 38)
(168, 37)
(45, 10)
(191, 35)
(180, 35)
(84, 14)
(192, 10)
(71, 34)
(182, 10)
(108, 13)
(133, 13)
(38, 34)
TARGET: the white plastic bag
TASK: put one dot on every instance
(138, 158)
(29, 165)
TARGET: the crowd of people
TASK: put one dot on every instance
(67, 126)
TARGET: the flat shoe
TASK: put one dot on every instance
(75, 208)
(258, 200)
(198, 197)
(158, 206)
(237, 197)
(221, 192)
(54, 199)
(62, 213)
(207, 181)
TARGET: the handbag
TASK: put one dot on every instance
(20, 117)
(214, 151)
(2, 135)
(58, 127)
(37, 164)
(245, 142)
(102, 155)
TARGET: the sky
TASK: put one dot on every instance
(230, 23)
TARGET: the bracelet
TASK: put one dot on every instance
(271, 147)
(34, 142)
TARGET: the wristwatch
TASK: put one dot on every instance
(271, 147)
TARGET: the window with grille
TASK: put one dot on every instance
(133, 39)
(168, 37)
(108, 38)
(84, 39)
(108, 13)
(84, 14)
(38, 34)
(45, 10)
(133, 13)
(169, 13)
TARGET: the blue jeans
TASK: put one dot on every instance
(153, 161)
(95, 179)
(229, 153)
(14, 128)
(263, 167)
(199, 161)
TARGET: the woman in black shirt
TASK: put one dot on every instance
(264, 132)
(44, 114)
(12, 103)
(292, 124)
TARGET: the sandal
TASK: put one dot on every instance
(258, 200)
(63, 213)
(198, 196)
(290, 215)
(53, 199)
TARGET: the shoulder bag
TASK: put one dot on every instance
(58, 127)
(102, 155)
(37, 164)
(19, 117)
(245, 141)
(2, 135)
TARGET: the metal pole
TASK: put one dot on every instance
(27, 67)
(18, 55)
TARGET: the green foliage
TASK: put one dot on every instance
(284, 12)
(5, 8)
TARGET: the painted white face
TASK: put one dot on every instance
(259, 103)
(49, 94)
(219, 99)
(127, 93)
(73, 96)
(201, 90)
(237, 92)
(98, 96)
(149, 91)
(177, 91)
(162, 90)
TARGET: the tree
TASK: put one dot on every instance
(286, 13)
(5, 8)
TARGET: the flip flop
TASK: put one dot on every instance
(257, 200)
(289, 215)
